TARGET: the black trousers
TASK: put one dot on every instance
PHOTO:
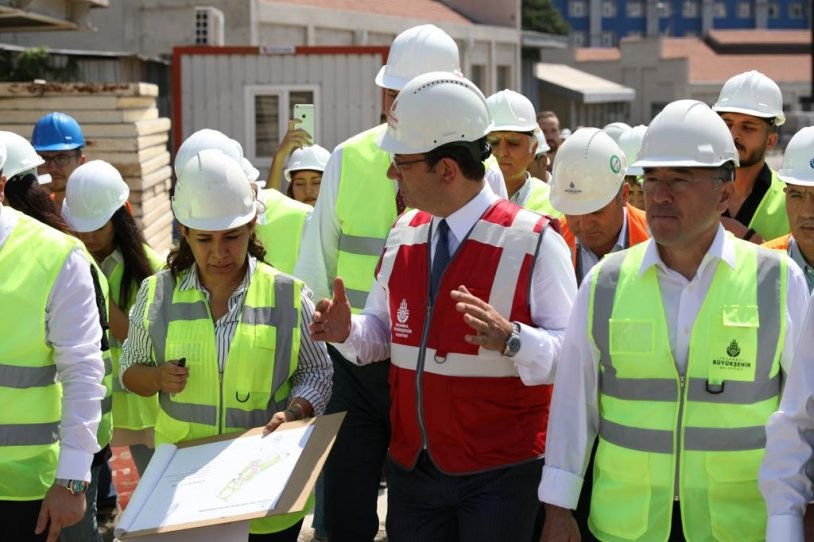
(354, 467)
(426, 505)
(19, 518)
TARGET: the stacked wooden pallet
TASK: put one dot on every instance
(121, 125)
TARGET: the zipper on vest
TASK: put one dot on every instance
(681, 380)
(419, 373)
(221, 410)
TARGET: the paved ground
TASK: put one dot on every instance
(126, 479)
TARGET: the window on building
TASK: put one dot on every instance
(774, 10)
(577, 8)
(269, 109)
(664, 9)
(719, 10)
(743, 10)
(796, 10)
(608, 9)
(579, 39)
(690, 9)
(634, 8)
(504, 77)
(608, 38)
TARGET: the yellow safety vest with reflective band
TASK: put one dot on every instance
(132, 411)
(539, 200)
(770, 219)
(366, 210)
(105, 430)
(31, 259)
(699, 438)
(255, 382)
(282, 231)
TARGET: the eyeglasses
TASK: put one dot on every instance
(398, 164)
(59, 160)
(676, 185)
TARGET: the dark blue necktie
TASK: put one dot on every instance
(441, 258)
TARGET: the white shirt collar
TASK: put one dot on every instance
(462, 220)
(722, 248)
(621, 241)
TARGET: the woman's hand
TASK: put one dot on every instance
(171, 378)
(277, 419)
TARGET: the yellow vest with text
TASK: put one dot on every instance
(255, 382)
(131, 411)
(699, 438)
(770, 219)
(31, 258)
(366, 210)
(282, 231)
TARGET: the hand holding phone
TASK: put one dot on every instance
(304, 114)
(182, 362)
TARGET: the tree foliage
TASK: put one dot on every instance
(542, 16)
(35, 63)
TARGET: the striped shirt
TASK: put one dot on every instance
(314, 373)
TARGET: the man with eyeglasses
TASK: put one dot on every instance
(673, 358)
(58, 139)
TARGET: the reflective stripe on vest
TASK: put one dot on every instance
(32, 258)
(366, 209)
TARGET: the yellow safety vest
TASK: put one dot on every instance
(255, 382)
(31, 258)
(282, 231)
(366, 209)
(539, 200)
(770, 219)
(699, 438)
(131, 411)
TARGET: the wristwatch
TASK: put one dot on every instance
(512, 341)
(74, 487)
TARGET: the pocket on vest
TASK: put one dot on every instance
(620, 501)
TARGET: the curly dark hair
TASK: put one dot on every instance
(25, 194)
(181, 259)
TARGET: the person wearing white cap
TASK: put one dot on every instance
(460, 363)
(588, 187)
(238, 308)
(52, 375)
(304, 173)
(676, 349)
(514, 143)
(631, 142)
(751, 104)
(357, 205)
(798, 174)
(95, 207)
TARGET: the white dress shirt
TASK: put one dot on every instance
(319, 250)
(787, 470)
(72, 329)
(553, 290)
(574, 420)
(588, 259)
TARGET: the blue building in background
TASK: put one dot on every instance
(602, 23)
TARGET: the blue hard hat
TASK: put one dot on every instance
(57, 132)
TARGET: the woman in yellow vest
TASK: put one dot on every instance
(221, 336)
(95, 208)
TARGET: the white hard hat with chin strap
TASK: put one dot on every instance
(752, 93)
(213, 193)
(420, 49)
(588, 172)
(94, 192)
(435, 109)
(798, 160)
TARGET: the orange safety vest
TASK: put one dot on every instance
(779, 243)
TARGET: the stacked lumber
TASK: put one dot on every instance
(121, 125)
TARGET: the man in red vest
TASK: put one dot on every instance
(471, 299)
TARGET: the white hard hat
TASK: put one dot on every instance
(631, 142)
(95, 191)
(420, 49)
(213, 193)
(434, 109)
(588, 171)
(512, 112)
(206, 139)
(312, 157)
(2, 156)
(798, 160)
(21, 158)
(616, 129)
(752, 93)
(687, 133)
(252, 173)
(542, 145)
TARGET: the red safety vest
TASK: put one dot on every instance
(467, 405)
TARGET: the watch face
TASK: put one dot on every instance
(514, 345)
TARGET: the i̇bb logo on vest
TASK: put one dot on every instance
(401, 329)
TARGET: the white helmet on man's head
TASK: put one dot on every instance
(798, 160)
(20, 157)
(588, 171)
(213, 193)
(206, 138)
(687, 133)
(616, 129)
(420, 49)
(512, 112)
(94, 192)
(752, 93)
(434, 109)
(631, 143)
